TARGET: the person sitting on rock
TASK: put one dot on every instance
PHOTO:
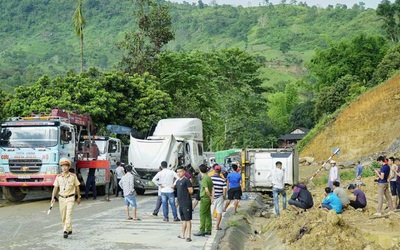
(341, 193)
(331, 201)
(301, 198)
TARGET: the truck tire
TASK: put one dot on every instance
(101, 190)
(13, 194)
(140, 191)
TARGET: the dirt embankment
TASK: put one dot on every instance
(369, 125)
(316, 229)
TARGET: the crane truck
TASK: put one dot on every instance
(30, 149)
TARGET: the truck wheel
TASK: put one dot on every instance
(101, 190)
(13, 194)
(140, 191)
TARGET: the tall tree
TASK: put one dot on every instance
(390, 13)
(143, 46)
(79, 22)
(134, 101)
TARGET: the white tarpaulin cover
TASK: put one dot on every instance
(181, 128)
(150, 153)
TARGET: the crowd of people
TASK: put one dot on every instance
(175, 190)
(335, 197)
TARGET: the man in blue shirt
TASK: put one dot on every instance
(331, 201)
(233, 181)
(359, 172)
(383, 186)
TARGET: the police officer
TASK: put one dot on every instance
(68, 186)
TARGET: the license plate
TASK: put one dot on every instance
(24, 177)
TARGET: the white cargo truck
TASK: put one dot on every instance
(258, 163)
(178, 141)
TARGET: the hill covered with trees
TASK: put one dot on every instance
(38, 37)
(251, 74)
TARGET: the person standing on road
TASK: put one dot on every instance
(120, 171)
(67, 186)
(165, 179)
(278, 186)
(218, 195)
(91, 182)
(333, 174)
(383, 186)
(205, 202)
(184, 190)
(235, 189)
(159, 201)
(197, 196)
(107, 188)
(127, 184)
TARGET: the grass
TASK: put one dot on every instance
(232, 223)
(348, 174)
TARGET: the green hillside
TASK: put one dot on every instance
(37, 37)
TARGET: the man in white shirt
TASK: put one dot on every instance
(333, 174)
(166, 179)
(278, 186)
(127, 183)
(120, 171)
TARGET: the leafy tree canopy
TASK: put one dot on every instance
(110, 98)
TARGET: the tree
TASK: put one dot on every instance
(303, 115)
(144, 46)
(330, 98)
(390, 13)
(201, 4)
(389, 65)
(277, 112)
(3, 100)
(358, 56)
(284, 47)
(134, 101)
(223, 89)
(79, 23)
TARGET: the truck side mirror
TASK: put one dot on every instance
(69, 135)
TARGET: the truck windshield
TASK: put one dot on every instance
(28, 136)
(101, 145)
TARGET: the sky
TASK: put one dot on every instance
(320, 3)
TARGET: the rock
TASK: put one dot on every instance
(266, 214)
(333, 218)
(306, 159)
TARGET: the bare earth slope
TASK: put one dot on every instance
(369, 125)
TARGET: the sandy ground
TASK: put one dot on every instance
(320, 230)
(368, 125)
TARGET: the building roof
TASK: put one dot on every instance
(294, 135)
(291, 137)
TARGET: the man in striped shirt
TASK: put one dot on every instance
(218, 194)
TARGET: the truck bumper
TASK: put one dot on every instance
(38, 180)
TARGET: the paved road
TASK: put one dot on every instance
(96, 225)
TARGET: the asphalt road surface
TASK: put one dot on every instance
(97, 224)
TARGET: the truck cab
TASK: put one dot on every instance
(30, 148)
(178, 141)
